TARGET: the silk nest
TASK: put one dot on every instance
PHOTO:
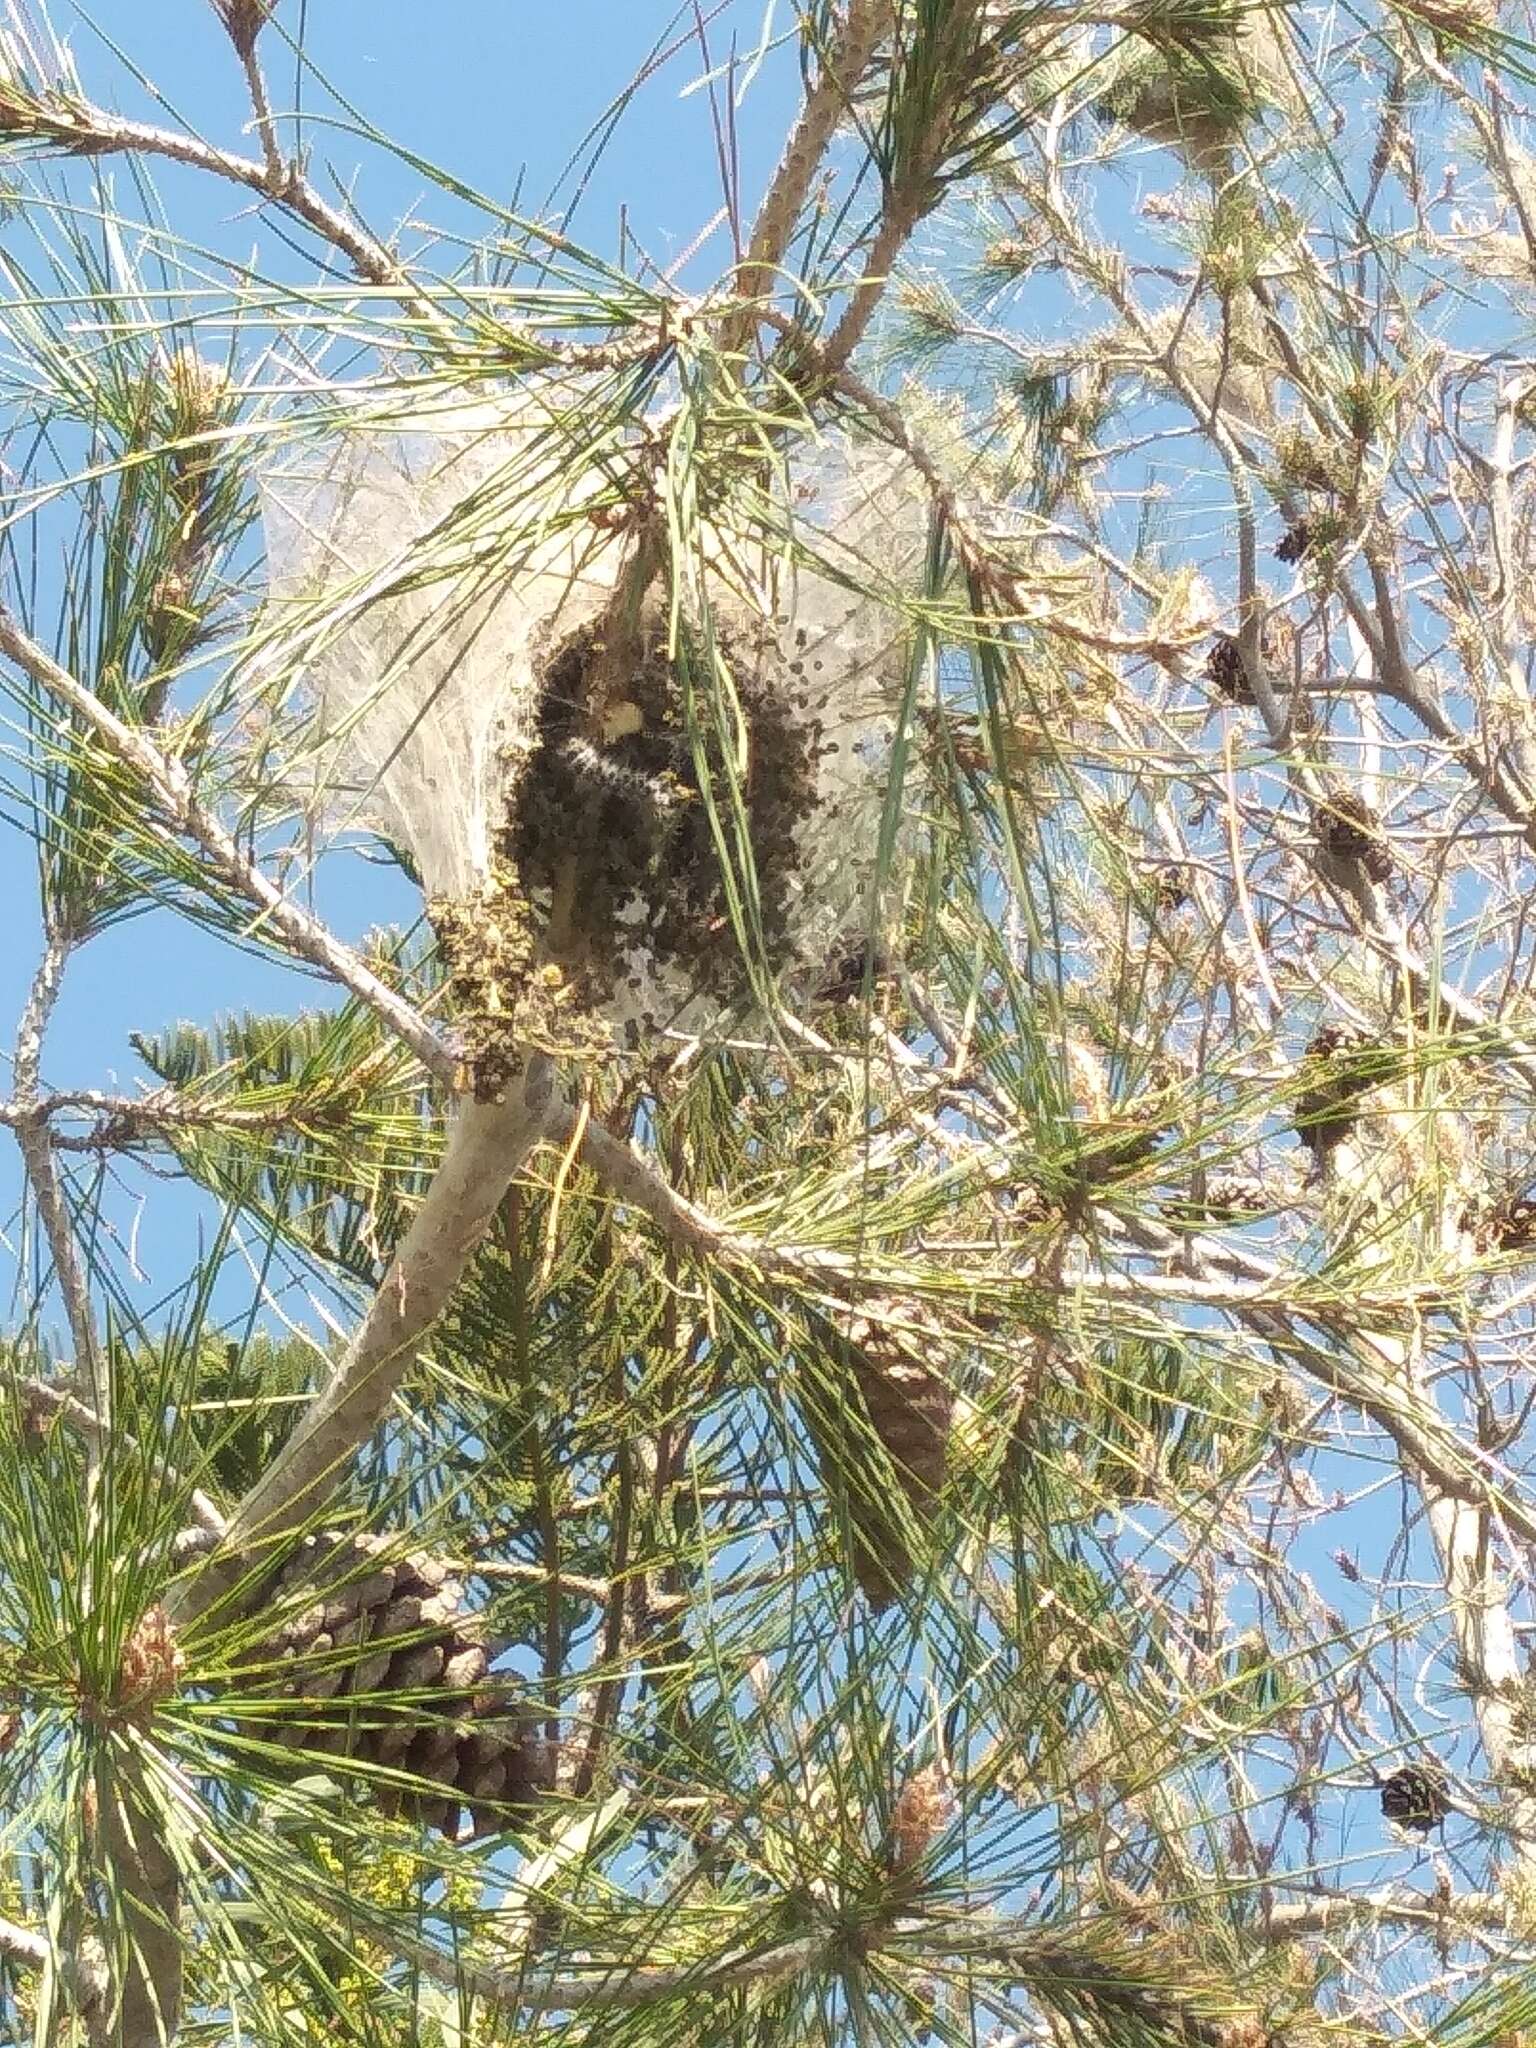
(559, 747)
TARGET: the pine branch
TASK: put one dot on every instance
(1050, 1961)
(244, 21)
(489, 1143)
(610, 1989)
(1355, 1365)
(912, 194)
(36, 1143)
(85, 130)
(20, 1945)
(170, 788)
(1305, 1919)
(842, 66)
(38, 1397)
(84, 1977)
(73, 125)
(632, 1179)
(148, 1900)
(1386, 934)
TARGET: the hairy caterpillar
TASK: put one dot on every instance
(660, 791)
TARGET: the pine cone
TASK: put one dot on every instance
(1325, 1113)
(1416, 1797)
(1509, 1227)
(151, 1665)
(1295, 543)
(1350, 832)
(1229, 1198)
(1225, 672)
(1170, 888)
(886, 1385)
(387, 1667)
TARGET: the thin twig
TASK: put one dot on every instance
(278, 172)
(39, 1396)
(91, 130)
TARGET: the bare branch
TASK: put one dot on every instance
(20, 1945)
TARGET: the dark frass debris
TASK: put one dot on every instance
(609, 833)
(606, 879)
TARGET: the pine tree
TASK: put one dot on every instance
(864, 1373)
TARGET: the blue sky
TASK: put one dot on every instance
(503, 94)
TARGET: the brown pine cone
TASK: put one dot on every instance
(885, 1383)
(1295, 543)
(1507, 1226)
(1325, 1112)
(1225, 672)
(386, 1666)
(1229, 1198)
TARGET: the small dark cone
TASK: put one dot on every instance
(1325, 1112)
(1113, 1147)
(1295, 544)
(1224, 670)
(1416, 1798)
(1351, 833)
(387, 1667)
(912, 1408)
(1229, 1198)
(1509, 1227)
(1171, 889)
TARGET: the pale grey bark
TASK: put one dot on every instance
(489, 1143)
